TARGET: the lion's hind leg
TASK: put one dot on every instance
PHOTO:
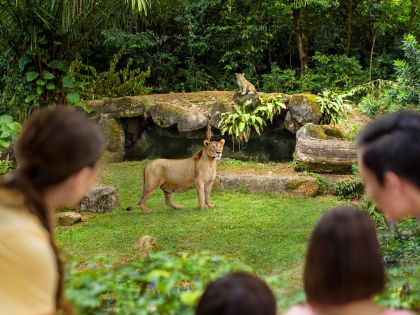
(168, 197)
(148, 190)
(170, 202)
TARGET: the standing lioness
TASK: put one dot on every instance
(181, 175)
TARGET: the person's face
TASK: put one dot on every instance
(390, 197)
(79, 184)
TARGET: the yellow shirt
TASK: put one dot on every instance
(28, 271)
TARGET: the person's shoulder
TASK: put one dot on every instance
(15, 217)
(303, 309)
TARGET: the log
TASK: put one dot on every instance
(325, 155)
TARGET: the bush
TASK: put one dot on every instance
(161, 284)
(404, 92)
(279, 80)
(111, 83)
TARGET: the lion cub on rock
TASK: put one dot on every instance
(244, 85)
(181, 175)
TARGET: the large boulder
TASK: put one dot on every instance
(238, 98)
(100, 199)
(303, 109)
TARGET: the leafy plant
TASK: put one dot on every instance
(5, 166)
(9, 129)
(162, 284)
(240, 123)
(279, 80)
(333, 106)
(111, 83)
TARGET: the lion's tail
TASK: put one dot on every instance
(144, 182)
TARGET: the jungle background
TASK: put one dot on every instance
(353, 54)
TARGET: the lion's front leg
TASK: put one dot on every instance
(201, 193)
(207, 190)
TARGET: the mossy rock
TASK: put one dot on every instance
(303, 109)
(311, 130)
(114, 135)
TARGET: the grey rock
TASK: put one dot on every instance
(100, 199)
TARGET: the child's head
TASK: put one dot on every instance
(237, 293)
(343, 261)
(388, 163)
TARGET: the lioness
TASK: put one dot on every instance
(181, 175)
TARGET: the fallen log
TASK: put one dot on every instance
(325, 155)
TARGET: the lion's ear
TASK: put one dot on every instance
(206, 142)
(222, 141)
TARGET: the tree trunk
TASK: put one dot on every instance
(325, 156)
(349, 22)
(413, 6)
(371, 56)
(298, 35)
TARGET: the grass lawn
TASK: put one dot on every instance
(267, 232)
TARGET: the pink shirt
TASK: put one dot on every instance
(306, 309)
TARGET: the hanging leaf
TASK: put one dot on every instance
(31, 75)
(68, 82)
(73, 98)
(57, 64)
(50, 86)
(47, 75)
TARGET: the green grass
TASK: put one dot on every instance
(267, 232)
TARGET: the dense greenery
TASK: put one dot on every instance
(283, 46)
(273, 237)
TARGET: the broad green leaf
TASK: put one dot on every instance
(73, 98)
(40, 82)
(68, 82)
(4, 143)
(30, 98)
(39, 90)
(31, 75)
(57, 64)
(47, 75)
(50, 86)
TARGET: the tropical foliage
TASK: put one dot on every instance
(282, 46)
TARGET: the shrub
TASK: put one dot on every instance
(162, 284)
(9, 129)
(279, 80)
(240, 123)
(111, 83)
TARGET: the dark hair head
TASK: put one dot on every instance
(237, 293)
(343, 261)
(55, 143)
(392, 143)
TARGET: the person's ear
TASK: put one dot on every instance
(393, 182)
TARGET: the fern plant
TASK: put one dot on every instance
(240, 123)
(333, 106)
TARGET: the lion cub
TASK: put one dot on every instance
(181, 175)
(244, 85)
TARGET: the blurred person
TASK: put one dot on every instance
(237, 293)
(57, 153)
(343, 267)
(389, 164)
